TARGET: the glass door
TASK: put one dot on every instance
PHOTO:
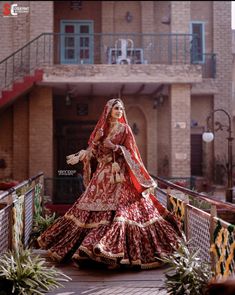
(77, 42)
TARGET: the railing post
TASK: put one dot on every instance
(185, 204)
(168, 192)
(213, 213)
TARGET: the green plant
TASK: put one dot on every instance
(187, 274)
(40, 224)
(22, 273)
(200, 204)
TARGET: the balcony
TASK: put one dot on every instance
(104, 49)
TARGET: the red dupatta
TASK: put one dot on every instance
(140, 177)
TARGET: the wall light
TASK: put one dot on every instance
(158, 101)
(68, 100)
(128, 17)
(135, 129)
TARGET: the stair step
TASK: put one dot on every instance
(19, 87)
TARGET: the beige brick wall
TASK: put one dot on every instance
(180, 102)
(180, 16)
(107, 25)
(120, 23)
(148, 118)
(41, 17)
(147, 16)
(6, 142)
(162, 10)
(201, 107)
(21, 140)
(163, 138)
(14, 30)
(41, 131)
(223, 99)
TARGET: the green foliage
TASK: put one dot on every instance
(200, 204)
(187, 273)
(24, 274)
(40, 224)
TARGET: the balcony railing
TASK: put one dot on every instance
(57, 48)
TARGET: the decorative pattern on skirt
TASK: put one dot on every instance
(133, 234)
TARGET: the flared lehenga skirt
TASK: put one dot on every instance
(133, 234)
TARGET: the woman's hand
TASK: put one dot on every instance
(108, 144)
(99, 134)
(72, 159)
(75, 158)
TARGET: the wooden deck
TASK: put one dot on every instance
(97, 280)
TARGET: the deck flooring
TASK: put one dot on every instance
(97, 280)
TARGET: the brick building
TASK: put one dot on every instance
(170, 61)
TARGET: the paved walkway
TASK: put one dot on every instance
(96, 280)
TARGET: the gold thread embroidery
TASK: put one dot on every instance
(135, 168)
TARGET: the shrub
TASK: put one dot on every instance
(187, 274)
(24, 274)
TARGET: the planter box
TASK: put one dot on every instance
(7, 185)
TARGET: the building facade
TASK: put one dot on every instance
(170, 62)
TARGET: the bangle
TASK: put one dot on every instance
(116, 148)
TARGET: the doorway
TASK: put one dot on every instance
(70, 137)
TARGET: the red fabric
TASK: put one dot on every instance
(115, 221)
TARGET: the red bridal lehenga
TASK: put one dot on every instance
(117, 220)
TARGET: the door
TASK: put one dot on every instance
(196, 154)
(77, 42)
(70, 137)
(198, 50)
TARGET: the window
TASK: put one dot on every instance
(76, 42)
(198, 47)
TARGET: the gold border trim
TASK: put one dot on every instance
(85, 225)
(121, 219)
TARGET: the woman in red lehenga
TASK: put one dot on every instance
(117, 220)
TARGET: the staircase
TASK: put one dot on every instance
(23, 68)
(20, 88)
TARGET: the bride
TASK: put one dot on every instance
(117, 220)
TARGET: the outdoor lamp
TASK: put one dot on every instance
(207, 136)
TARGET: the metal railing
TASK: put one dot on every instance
(208, 63)
(17, 208)
(213, 236)
(99, 48)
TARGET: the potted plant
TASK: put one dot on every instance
(22, 273)
(40, 224)
(187, 273)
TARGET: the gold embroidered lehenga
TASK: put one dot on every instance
(117, 220)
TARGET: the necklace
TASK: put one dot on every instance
(113, 128)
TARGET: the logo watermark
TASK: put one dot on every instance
(12, 10)
(66, 172)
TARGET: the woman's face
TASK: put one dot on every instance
(117, 111)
